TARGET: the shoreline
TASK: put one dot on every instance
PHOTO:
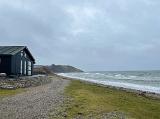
(146, 94)
(74, 98)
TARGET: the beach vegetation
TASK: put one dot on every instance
(6, 92)
(93, 101)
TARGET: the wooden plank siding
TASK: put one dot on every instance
(11, 63)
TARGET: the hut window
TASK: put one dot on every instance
(29, 68)
(29, 72)
(21, 67)
(21, 53)
(29, 65)
(24, 67)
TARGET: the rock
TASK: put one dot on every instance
(7, 87)
(3, 75)
(24, 82)
(36, 102)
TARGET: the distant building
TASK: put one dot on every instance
(16, 60)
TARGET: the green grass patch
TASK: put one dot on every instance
(5, 92)
(90, 99)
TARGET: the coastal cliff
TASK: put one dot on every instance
(63, 68)
(40, 69)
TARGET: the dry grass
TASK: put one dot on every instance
(5, 92)
(90, 99)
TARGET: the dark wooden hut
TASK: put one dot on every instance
(16, 60)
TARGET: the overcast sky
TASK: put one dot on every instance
(88, 34)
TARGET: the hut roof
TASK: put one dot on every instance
(12, 50)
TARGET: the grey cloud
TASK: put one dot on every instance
(92, 35)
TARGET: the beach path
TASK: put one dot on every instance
(35, 103)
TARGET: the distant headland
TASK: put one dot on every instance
(49, 69)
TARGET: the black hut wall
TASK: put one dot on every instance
(5, 64)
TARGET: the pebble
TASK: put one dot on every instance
(36, 102)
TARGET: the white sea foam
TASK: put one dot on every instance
(116, 81)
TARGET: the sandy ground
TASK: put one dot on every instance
(36, 103)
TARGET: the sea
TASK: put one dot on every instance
(148, 81)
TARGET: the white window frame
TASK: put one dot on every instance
(25, 68)
(21, 67)
(21, 53)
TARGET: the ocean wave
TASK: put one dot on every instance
(94, 77)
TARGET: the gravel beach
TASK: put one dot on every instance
(36, 102)
(43, 101)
